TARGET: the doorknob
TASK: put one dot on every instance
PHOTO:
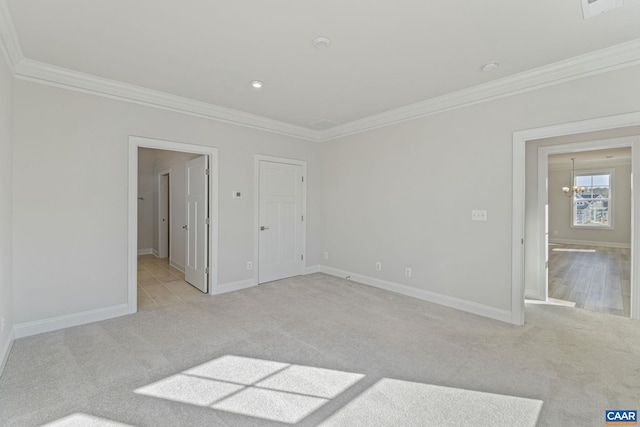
(262, 228)
(185, 227)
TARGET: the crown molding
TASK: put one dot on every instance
(52, 75)
(9, 42)
(597, 62)
(600, 61)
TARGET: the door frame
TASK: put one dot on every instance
(520, 139)
(169, 206)
(256, 217)
(542, 291)
(136, 142)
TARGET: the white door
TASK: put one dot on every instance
(281, 221)
(195, 271)
(163, 210)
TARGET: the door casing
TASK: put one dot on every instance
(520, 139)
(136, 142)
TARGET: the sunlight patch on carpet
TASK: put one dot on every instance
(396, 402)
(258, 388)
(84, 420)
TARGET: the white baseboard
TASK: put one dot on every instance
(5, 349)
(590, 243)
(53, 324)
(147, 251)
(313, 269)
(460, 304)
(156, 253)
(175, 265)
(234, 286)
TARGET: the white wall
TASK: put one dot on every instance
(403, 194)
(146, 160)
(176, 162)
(560, 207)
(70, 195)
(6, 207)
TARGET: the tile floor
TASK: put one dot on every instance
(160, 284)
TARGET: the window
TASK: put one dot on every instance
(593, 208)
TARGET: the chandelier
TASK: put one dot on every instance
(574, 189)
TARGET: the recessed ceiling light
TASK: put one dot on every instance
(490, 66)
(322, 42)
(257, 84)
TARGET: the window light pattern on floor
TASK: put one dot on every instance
(254, 387)
(403, 403)
(84, 420)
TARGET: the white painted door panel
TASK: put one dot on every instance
(196, 228)
(281, 216)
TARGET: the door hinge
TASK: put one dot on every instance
(207, 171)
(303, 179)
(207, 221)
(302, 218)
(206, 270)
(522, 241)
(302, 257)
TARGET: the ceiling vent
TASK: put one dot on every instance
(323, 124)
(596, 7)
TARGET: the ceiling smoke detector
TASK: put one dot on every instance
(490, 66)
(322, 42)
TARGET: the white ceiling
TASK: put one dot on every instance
(385, 54)
(592, 156)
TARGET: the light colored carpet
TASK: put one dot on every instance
(319, 350)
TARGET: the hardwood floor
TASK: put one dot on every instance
(595, 278)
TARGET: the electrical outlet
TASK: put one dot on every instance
(407, 272)
(478, 215)
(249, 265)
(555, 232)
(326, 255)
(378, 266)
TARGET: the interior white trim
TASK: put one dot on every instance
(136, 142)
(27, 329)
(51, 75)
(235, 286)
(176, 265)
(9, 42)
(600, 61)
(5, 350)
(520, 139)
(590, 243)
(457, 303)
(256, 202)
(313, 269)
(148, 251)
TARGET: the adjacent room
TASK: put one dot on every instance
(233, 213)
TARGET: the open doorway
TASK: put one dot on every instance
(588, 229)
(172, 242)
(528, 233)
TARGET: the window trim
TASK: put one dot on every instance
(591, 172)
